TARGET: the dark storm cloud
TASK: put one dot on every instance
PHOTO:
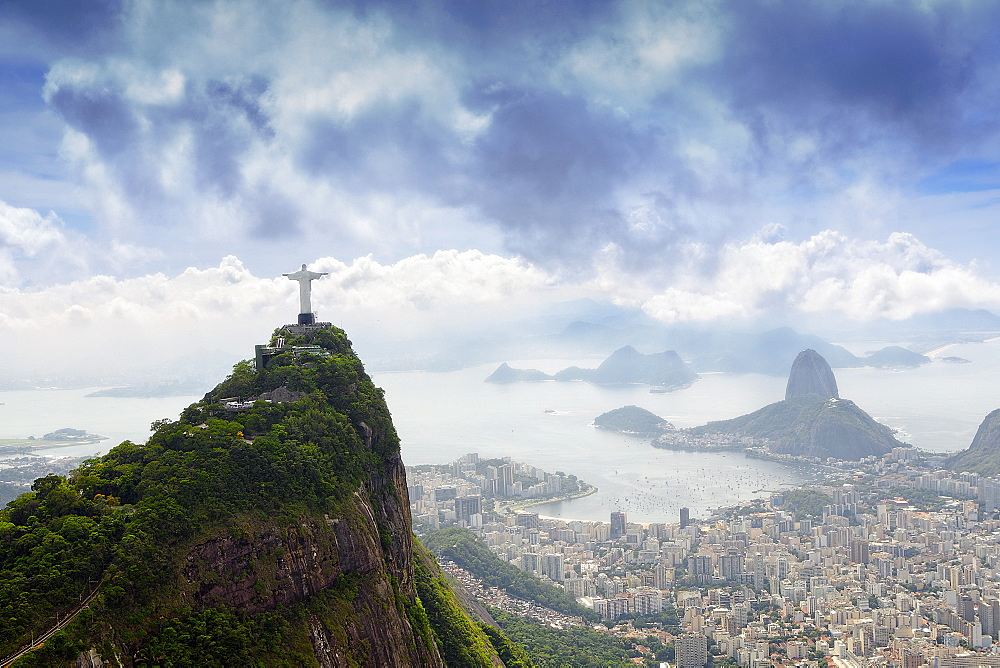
(492, 25)
(101, 113)
(224, 118)
(852, 71)
(227, 117)
(389, 146)
(274, 215)
(244, 96)
(567, 126)
(548, 168)
(65, 26)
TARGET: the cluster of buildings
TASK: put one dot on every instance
(876, 575)
(468, 491)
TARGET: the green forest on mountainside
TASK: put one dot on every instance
(811, 425)
(633, 420)
(805, 502)
(122, 521)
(465, 549)
(579, 647)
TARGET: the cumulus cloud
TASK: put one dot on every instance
(34, 247)
(446, 279)
(112, 324)
(108, 324)
(826, 273)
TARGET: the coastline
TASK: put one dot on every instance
(19, 444)
(518, 507)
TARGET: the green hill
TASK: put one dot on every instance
(267, 526)
(983, 454)
(633, 420)
(470, 553)
(812, 426)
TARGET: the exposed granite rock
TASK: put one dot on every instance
(267, 567)
(810, 374)
(281, 395)
(988, 436)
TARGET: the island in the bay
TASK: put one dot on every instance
(812, 423)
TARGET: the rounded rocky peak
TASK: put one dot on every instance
(811, 374)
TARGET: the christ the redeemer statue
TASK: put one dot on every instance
(305, 278)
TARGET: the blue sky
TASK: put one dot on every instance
(697, 160)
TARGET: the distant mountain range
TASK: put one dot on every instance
(585, 328)
(664, 370)
(770, 352)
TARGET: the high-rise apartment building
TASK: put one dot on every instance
(553, 567)
(691, 650)
(466, 507)
(617, 525)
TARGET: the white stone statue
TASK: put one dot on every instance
(305, 278)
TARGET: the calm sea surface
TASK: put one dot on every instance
(441, 416)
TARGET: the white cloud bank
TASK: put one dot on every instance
(104, 323)
(108, 323)
(828, 272)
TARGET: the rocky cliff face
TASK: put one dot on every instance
(268, 566)
(983, 454)
(810, 374)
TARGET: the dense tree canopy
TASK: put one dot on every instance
(465, 549)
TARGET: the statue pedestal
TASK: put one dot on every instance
(307, 318)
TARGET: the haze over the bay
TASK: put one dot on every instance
(458, 165)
